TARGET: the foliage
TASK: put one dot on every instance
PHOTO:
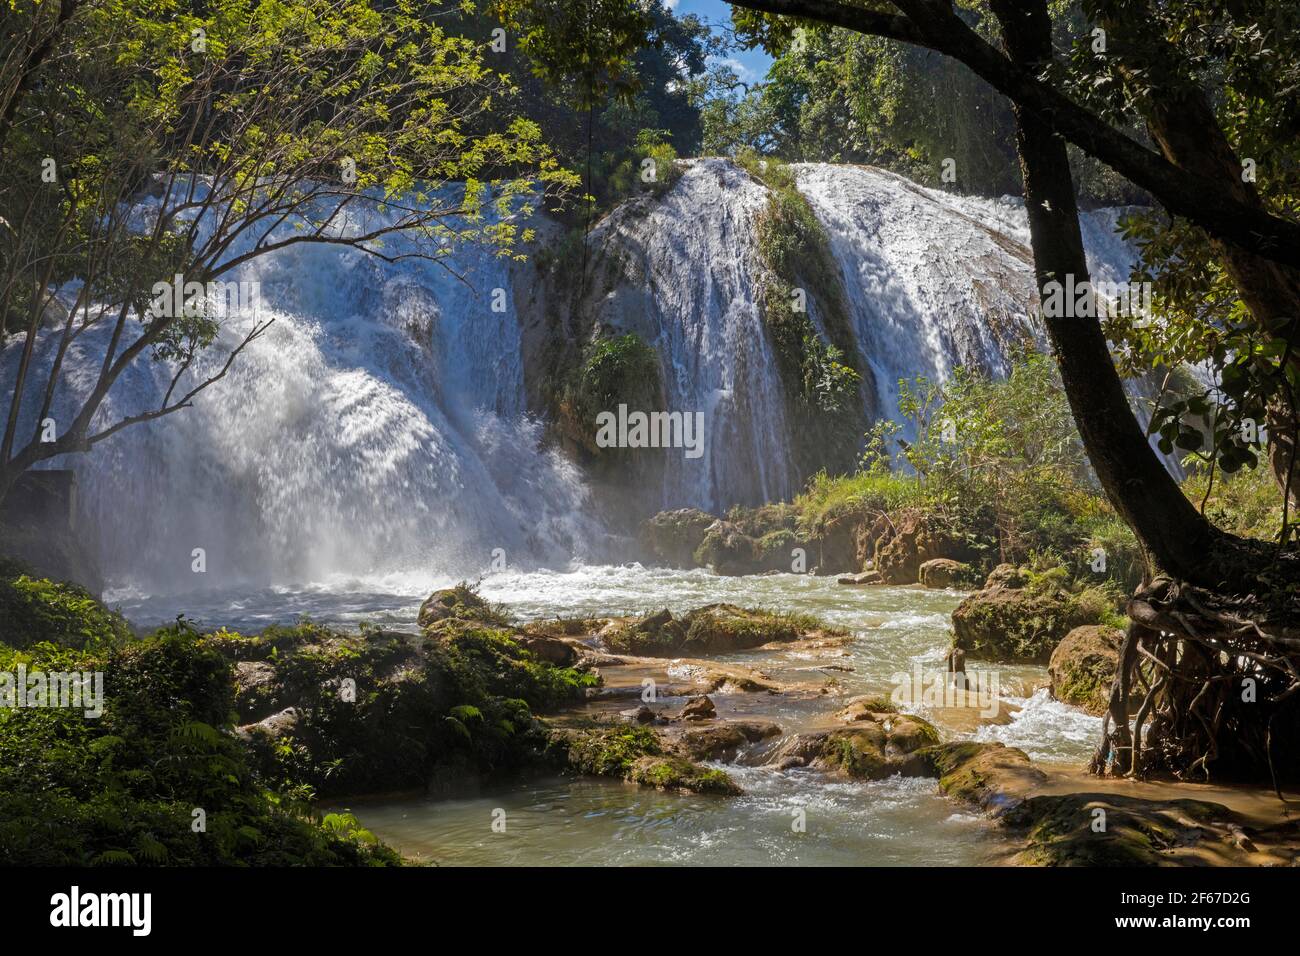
(834, 95)
(123, 788)
(802, 274)
(37, 610)
(188, 140)
(615, 370)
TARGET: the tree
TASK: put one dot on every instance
(141, 143)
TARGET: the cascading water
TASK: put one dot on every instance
(377, 426)
(932, 280)
(382, 424)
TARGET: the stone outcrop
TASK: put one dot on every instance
(672, 537)
(713, 629)
(1016, 624)
(873, 747)
(947, 573)
(1083, 666)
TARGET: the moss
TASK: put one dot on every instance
(607, 751)
(796, 251)
(461, 603)
(713, 629)
(635, 754)
(677, 773)
(33, 610)
(1060, 829)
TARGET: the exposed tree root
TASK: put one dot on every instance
(1208, 685)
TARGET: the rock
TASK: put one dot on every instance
(461, 603)
(673, 536)
(991, 776)
(907, 539)
(1006, 576)
(638, 755)
(712, 629)
(865, 708)
(677, 773)
(866, 577)
(1060, 830)
(549, 649)
(723, 741)
(698, 708)
(645, 715)
(1019, 625)
(946, 573)
(655, 635)
(1083, 666)
(728, 550)
(869, 750)
(276, 726)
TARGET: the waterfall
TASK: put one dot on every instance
(383, 422)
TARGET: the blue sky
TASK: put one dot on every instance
(750, 65)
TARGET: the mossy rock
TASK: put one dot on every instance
(635, 754)
(947, 573)
(462, 603)
(673, 536)
(678, 773)
(1019, 625)
(872, 748)
(712, 629)
(1067, 830)
(1083, 666)
(991, 776)
(383, 711)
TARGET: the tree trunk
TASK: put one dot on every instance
(1175, 535)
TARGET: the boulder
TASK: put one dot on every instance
(900, 543)
(946, 573)
(873, 748)
(725, 740)
(1006, 576)
(1016, 625)
(460, 603)
(992, 776)
(712, 629)
(673, 536)
(549, 649)
(698, 708)
(728, 550)
(1083, 666)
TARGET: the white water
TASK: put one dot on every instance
(381, 426)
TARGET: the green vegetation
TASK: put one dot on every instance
(635, 754)
(803, 273)
(713, 629)
(614, 370)
(161, 777)
(833, 95)
(158, 779)
(36, 610)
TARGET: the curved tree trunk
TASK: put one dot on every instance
(1176, 536)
